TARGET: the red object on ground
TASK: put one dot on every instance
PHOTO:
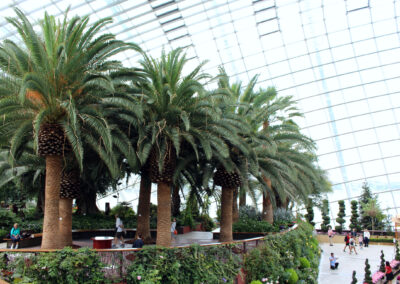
(102, 242)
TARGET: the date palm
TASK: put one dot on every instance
(180, 118)
(54, 87)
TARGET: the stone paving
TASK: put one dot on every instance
(349, 262)
(179, 240)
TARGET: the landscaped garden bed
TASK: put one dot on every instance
(195, 264)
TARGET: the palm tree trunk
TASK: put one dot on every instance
(242, 200)
(87, 202)
(235, 209)
(268, 209)
(176, 201)
(163, 214)
(226, 215)
(65, 222)
(50, 239)
(143, 221)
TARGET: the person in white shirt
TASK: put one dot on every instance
(367, 235)
(173, 228)
(119, 232)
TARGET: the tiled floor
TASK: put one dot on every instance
(348, 263)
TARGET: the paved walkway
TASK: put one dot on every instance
(348, 263)
(179, 240)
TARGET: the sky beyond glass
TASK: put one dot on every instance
(339, 59)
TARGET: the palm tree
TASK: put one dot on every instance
(53, 87)
(180, 118)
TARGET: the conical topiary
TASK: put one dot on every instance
(354, 216)
(325, 216)
(354, 279)
(367, 277)
(382, 266)
(340, 218)
(397, 257)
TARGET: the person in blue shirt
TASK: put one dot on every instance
(333, 261)
(15, 235)
(138, 243)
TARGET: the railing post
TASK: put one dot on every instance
(244, 247)
(121, 263)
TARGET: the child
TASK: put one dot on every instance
(352, 245)
(360, 240)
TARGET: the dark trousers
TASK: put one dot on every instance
(336, 266)
(366, 242)
(15, 239)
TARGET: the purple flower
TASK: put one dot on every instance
(264, 279)
(223, 279)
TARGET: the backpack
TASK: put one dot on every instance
(345, 239)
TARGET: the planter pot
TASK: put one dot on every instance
(241, 277)
(184, 229)
(199, 227)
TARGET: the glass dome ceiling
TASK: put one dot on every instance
(339, 59)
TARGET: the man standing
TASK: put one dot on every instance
(333, 261)
(367, 235)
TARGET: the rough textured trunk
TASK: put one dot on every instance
(235, 209)
(65, 211)
(87, 203)
(176, 202)
(268, 210)
(226, 215)
(40, 202)
(51, 238)
(143, 221)
(242, 200)
(163, 214)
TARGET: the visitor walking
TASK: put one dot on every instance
(15, 236)
(388, 273)
(138, 243)
(353, 234)
(119, 231)
(347, 242)
(330, 235)
(173, 228)
(367, 235)
(352, 242)
(333, 261)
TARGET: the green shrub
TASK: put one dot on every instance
(253, 226)
(3, 233)
(7, 219)
(304, 263)
(186, 265)
(256, 282)
(279, 253)
(374, 240)
(293, 278)
(249, 212)
(65, 266)
(283, 216)
(208, 223)
(124, 211)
